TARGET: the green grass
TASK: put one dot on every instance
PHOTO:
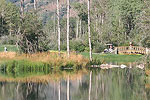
(12, 48)
(21, 67)
(115, 58)
(102, 57)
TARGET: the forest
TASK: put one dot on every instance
(50, 43)
(32, 25)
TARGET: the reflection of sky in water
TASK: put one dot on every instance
(111, 84)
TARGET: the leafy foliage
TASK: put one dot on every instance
(26, 31)
(112, 21)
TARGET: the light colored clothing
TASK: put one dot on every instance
(5, 49)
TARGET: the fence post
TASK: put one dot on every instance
(116, 50)
(147, 51)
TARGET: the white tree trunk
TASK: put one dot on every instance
(58, 26)
(54, 94)
(54, 33)
(80, 28)
(68, 88)
(10, 30)
(90, 85)
(59, 90)
(89, 31)
(22, 8)
(102, 18)
(68, 11)
(35, 5)
(77, 31)
(17, 91)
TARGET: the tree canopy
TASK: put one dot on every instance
(112, 21)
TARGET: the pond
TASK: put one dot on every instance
(94, 84)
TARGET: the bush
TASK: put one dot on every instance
(146, 42)
(99, 48)
(8, 40)
(96, 61)
(77, 45)
(86, 49)
(63, 46)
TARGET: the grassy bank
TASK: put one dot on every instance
(12, 62)
(11, 48)
(115, 58)
(101, 57)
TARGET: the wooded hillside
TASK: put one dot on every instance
(112, 21)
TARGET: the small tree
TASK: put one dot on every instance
(31, 35)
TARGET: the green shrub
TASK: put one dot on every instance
(69, 64)
(87, 49)
(77, 45)
(11, 40)
(96, 61)
(146, 42)
(63, 46)
(99, 48)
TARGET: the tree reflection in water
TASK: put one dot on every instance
(111, 84)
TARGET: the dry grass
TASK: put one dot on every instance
(147, 72)
(46, 57)
(147, 86)
(7, 55)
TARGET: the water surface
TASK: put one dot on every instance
(111, 84)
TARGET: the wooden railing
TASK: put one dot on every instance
(132, 50)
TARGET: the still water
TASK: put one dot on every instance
(111, 84)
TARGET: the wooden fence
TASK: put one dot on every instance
(132, 50)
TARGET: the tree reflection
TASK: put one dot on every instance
(113, 84)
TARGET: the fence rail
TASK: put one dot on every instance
(132, 50)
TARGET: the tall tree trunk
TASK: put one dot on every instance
(17, 35)
(35, 5)
(22, 8)
(80, 28)
(54, 94)
(77, 31)
(59, 88)
(89, 30)
(68, 89)
(58, 26)
(10, 30)
(90, 85)
(17, 91)
(68, 11)
(54, 33)
(96, 26)
(102, 18)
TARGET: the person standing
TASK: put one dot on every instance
(130, 48)
(5, 49)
